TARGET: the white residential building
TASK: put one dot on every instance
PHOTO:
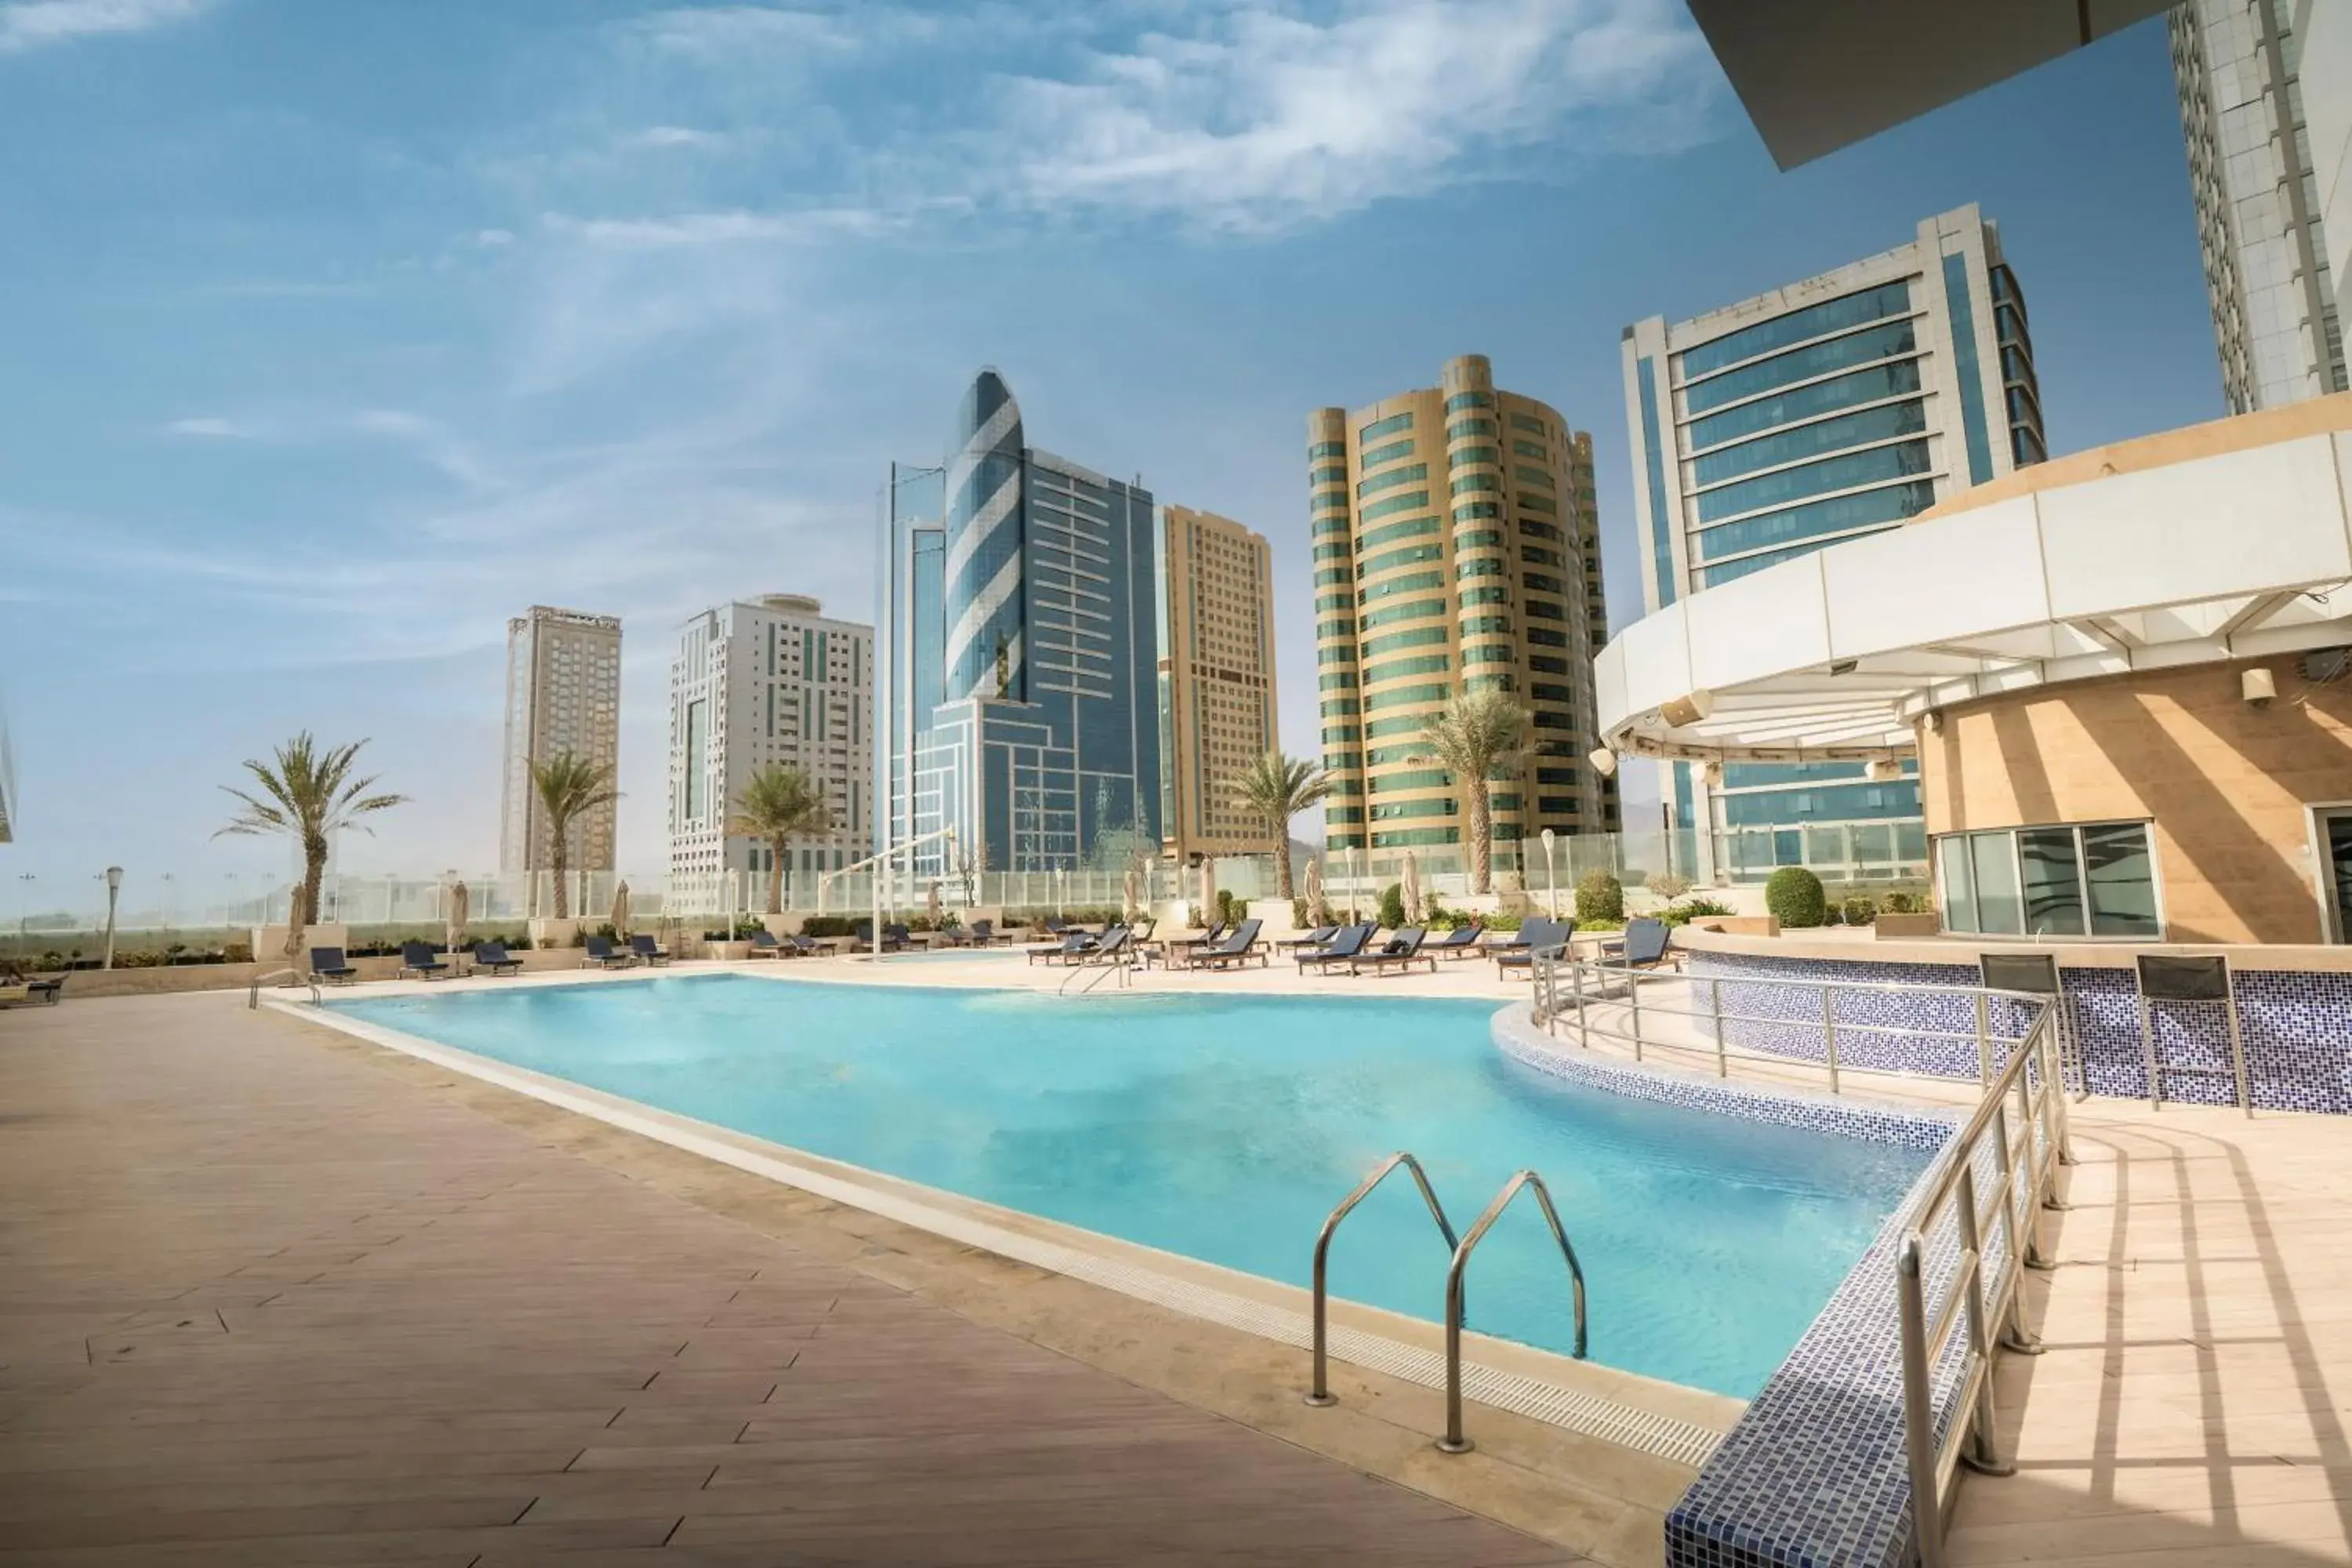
(563, 694)
(772, 679)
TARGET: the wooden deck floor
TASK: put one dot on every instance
(260, 1303)
(2193, 1404)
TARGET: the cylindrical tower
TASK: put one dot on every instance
(987, 606)
(1329, 532)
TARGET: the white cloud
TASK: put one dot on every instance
(211, 428)
(1263, 121)
(32, 24)
(724, 32)
(676, 136)
(729, 227)
(491, 238)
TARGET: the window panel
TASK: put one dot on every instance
(1846, 472)
(2053, 881)
(1889, 341)
(2122, 881)
(1818, 321)
(1861, 386)
(1811, 441)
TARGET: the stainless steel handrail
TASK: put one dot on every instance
(1986, 1288)
(1320, 1394)
(1124, 969)
(1455, 1442)
(253, 993)
(1836, 1031)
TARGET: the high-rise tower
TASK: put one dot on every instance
(563, 694)
(1456, 545)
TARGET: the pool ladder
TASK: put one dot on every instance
(1455, 1441)
(1095, 974)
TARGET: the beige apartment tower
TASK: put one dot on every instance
(1456, 545)
(563, 694)
(1217, 678)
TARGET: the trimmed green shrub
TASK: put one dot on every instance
(1900, 904)
(1600, 897)
(1298, 915)
(1393, 905)
(1500, 921)
(1795, 897)
(1860, 910)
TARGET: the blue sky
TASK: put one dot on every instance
(337, 333)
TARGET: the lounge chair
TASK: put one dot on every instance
(1644, 947)
(896, 937)
(416, 957)
(1536, 936)
(981, 934)
(1400, 951)
(1346, 943)
(1072, 944)
(803, 946)
(1320, 937)
(649, 951)
(328, 964)
(765, 945)
(1057, 926)
(1237, 948)
(1174, 948)
(494, 957)
(601, 954)
(1462, 942)
(13, 992)
(1115, 946)
(47, 990)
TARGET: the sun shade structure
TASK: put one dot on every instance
(2214, 543)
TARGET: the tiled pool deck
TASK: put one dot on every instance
(2191, 1408)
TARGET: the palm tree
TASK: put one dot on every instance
(306, 794)
(1272, 790)
(1476, 733)
(568, 788)
(776, 803)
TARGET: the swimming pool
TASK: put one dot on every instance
(1224, 1128)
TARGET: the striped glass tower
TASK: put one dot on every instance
(986, 601)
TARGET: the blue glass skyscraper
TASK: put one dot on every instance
(1023, 619)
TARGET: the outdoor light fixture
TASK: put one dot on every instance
(2259, 687)
(1713, 774)
(1689, 709)
(113, 892)
(1551, 882)
(1886, 770)
(1604, 760)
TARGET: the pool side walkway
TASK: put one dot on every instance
(269, 1295)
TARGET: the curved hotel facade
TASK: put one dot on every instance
(1455, 544)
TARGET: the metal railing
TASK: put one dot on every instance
(1455, 1441)
(1094, 974)
(1983, 1285)
(1606, 1000)
(1320, 1392)
(253, 991)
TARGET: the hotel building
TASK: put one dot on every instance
(1020, 650)
(563, 694)
(1830, 409)
(2260, 224)
(1455, 545)
(1216, 679)
(759, 682)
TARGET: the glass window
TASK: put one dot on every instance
(1814, 519)
(1964, 365)
(1393, 506)
(1892, 340)
(2053, 883)
(1470, 483)
(1846, 472)
(1402, 694)
(1388, 454)
(1662, 550)
(1412, 610)
(1880, 423)
(1861, 386)
(1530, 450)
(1470, 510)
(1813, 322)
(1388, 427)
(2122, 877)
(1419, 663)
(1411, 528)
(1414, 474)
(1957, 884)
(1417, 636)
(1328, 474)
(1463, 429)
(1528, 422)
(1377, 564)
(1326, 449)
(1411, 581)
(1462, 400)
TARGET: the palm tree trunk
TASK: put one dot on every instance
(556, 858)
(1481, 841)
(314, 871)
(776, 877)
(1282, 861)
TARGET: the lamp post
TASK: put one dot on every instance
(1551, 881)
(24, 892)
(114, 893)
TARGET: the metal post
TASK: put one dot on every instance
(1918, 1411)
(2237, 1043)
(1984, 1452)
(1633, 1000)
(1576, 978)
(1984, 1039)
(1829, 1033)
(2016, 1237)
(113, 892)
(1722, 1050)
(2147, 1046)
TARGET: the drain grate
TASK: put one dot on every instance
(1588, 1415)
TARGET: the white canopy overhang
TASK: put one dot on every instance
(2231, 551)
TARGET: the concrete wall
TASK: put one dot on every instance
(2226, 785)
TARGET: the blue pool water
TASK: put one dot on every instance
(1225, 1127)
